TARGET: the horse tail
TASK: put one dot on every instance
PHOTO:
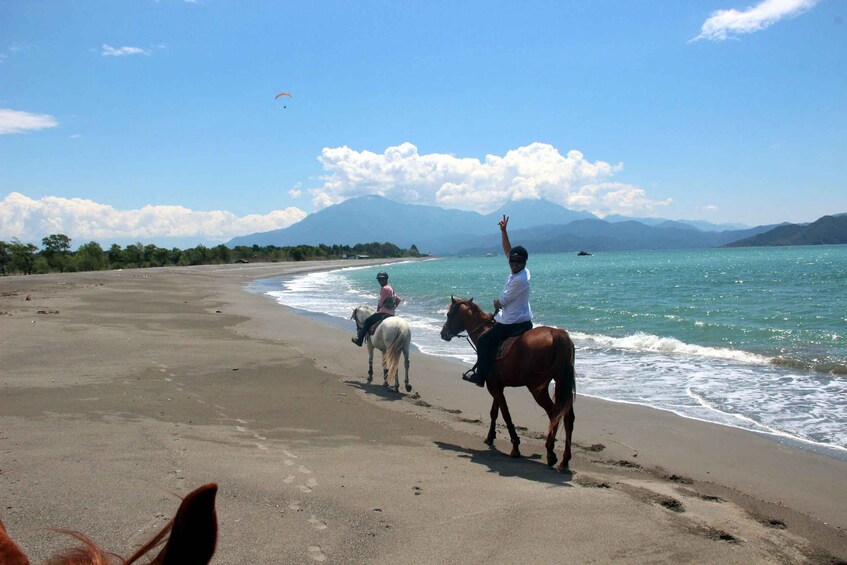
(563, 368)
(395, 350)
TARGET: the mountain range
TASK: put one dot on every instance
(541, 226)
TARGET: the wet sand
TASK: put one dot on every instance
(121, 390)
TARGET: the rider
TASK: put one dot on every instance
(388, 301)
(514, 316)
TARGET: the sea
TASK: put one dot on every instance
(754, 338)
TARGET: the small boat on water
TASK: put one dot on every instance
(583, 253)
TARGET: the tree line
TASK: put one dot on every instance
(55, 255)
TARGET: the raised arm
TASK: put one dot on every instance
(507, 247)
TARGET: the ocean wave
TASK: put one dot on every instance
(649, 343)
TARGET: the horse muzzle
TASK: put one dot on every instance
(446, 335)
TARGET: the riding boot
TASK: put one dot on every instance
(475, 376)
(360, 337)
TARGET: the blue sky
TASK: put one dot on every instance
(155, 121)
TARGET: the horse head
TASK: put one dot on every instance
(455, 323)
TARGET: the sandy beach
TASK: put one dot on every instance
(122, 390)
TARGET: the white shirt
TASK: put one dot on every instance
(515, 299)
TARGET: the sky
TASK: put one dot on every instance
(157, 121)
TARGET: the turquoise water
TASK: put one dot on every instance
(754, 338)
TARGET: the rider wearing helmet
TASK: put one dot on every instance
(514, 315)
(386, 304)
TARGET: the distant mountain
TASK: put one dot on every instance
(374, 218)
(825, 230)
(699, 224)
(600, 235)
(367, 219)
(538, 213)
(539, 225)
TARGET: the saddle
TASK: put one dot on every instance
(506, 346)
(372, 329)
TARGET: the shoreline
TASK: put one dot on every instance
(154, 381)
(782, 438)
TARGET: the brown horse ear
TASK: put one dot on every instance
(471, 300)
(194, 531)
(452, 299)
(10, 553)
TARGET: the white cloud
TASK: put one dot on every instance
(86, 220)
(710, 208)
(724, 24)
(14, 121)
(536, 171)
(109, 51)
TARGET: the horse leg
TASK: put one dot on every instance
(406, 364)
(513, 434)
(492, 429)
(542, 397)
(569, 419)
(370, 362)
(384, 372)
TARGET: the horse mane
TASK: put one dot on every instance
(476, 308)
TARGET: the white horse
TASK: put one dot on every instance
(393, 337)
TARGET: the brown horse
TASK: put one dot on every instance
(536, 357)
(193, 535)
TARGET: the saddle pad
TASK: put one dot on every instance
(505, 346)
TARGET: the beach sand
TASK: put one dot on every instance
(121, 390)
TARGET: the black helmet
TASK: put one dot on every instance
(518, 252)
(382, 276)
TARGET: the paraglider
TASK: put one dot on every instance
(282, 94)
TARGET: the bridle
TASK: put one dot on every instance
(453, 333)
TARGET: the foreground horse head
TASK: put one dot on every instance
(393, 337)
(193, 536)
(537, 357)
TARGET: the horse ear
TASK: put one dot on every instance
(194, 531)
(452, 299)
(10, 553)
(471, 300)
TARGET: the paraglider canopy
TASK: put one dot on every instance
(282, 94)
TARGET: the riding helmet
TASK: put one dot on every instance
(382, 276)
(519, 253)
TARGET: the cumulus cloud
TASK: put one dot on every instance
(14, 121)
(536, 171)
(86, 220)
(724, 24)
(109, 51)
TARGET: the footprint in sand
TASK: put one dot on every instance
(262, 447)
(304, 470)
(289, 454)
(240, 421)
(295, 506)
(288, 479)
(289, 462)
(241, 429)
(304, 489)
(317, 523)
(312, 483)
(316, 553)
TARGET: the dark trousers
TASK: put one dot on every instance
(486, 347)
(370, 321)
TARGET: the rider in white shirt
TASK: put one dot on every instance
(514, 316)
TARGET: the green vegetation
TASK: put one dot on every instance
(56, 255)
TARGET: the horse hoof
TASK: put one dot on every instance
(563, 467)
(488, 441)
(515, 453)
(408, 388)
(551, 460)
